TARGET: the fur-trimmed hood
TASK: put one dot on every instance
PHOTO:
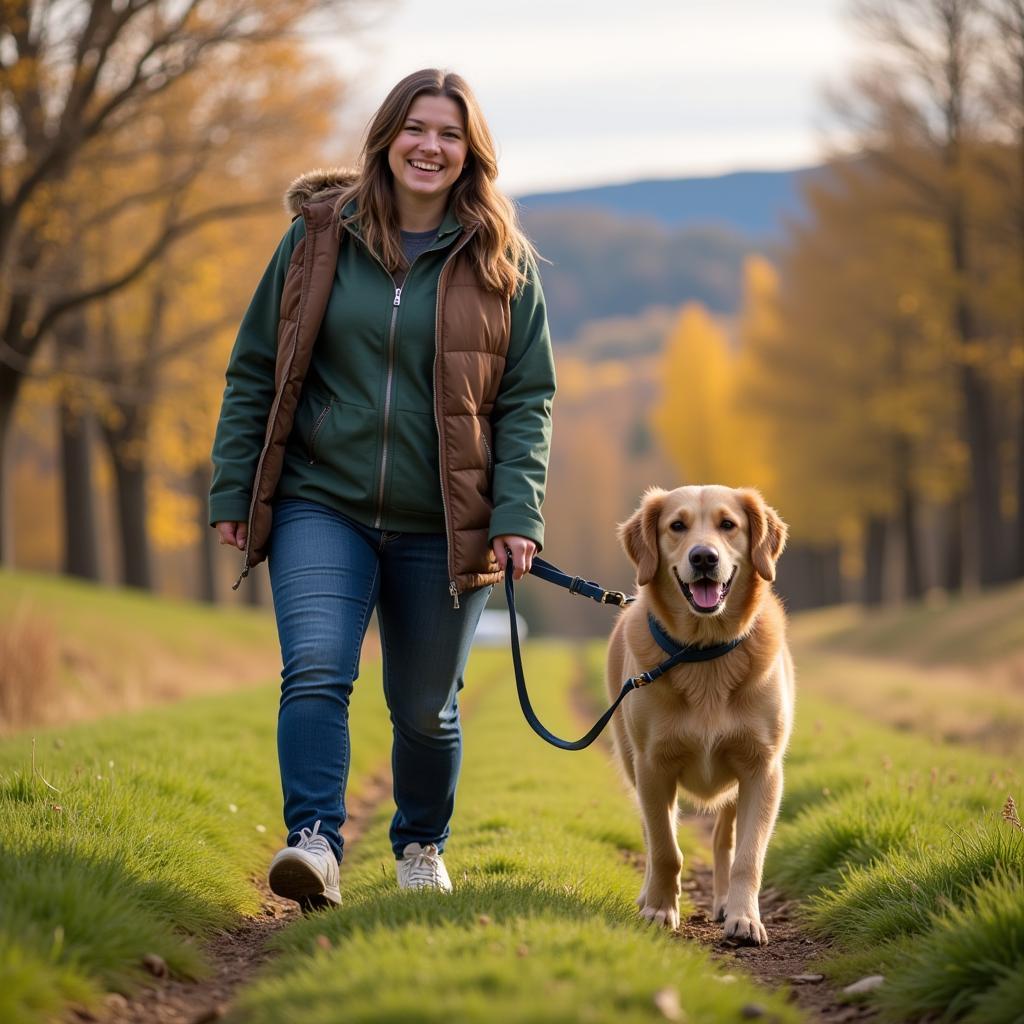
(313, 183)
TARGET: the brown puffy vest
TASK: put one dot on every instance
(471, 338)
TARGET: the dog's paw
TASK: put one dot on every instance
(666, 915)
(719, 909)
(745, 928)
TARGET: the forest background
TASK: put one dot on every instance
(863, 364)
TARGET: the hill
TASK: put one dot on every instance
(71, 650)
(750, 203)
(603, 265)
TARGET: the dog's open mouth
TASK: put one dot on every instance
(705, 595)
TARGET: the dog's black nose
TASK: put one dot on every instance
(703, 558)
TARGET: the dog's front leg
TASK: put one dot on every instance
(656, 791)
(757, 806)
(722, 842)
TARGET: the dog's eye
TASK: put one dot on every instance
(678, 526)
(728, 524)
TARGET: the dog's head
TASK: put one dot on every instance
(701, 541)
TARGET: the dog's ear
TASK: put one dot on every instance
(639, 535)
(767, 533)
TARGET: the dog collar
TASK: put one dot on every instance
(684, 652)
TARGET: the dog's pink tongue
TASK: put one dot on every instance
(706, 593)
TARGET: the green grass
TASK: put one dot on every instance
(87, 650)
(123, 616)
(542, 925)
(146, 843)
(898, 848)
(964, 629)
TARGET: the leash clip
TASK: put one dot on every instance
(614, 597)
(639, 681)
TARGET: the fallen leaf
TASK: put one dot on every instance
(156, 965)
(868, 984)
(666, 1000)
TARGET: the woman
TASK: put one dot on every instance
(384, 441)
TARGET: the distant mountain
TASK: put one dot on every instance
(750, 203)
(607, 265)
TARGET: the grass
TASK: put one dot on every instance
(899, 850)
(108, 650)
(962, 629)
(141, 834)
(542, 925)
(896, 847)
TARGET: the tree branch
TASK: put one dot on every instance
(145, 260)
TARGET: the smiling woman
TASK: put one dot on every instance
(426, 158)
(384, 441)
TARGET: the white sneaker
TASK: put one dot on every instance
(307, 872)
(421, 867)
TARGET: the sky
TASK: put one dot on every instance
(598, 92)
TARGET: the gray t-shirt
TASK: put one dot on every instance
(413, 243)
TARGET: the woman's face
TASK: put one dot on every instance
(427, 155)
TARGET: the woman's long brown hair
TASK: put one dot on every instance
(499, 248)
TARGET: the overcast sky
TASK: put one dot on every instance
(596, 92)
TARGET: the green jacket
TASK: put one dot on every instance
(364, 439)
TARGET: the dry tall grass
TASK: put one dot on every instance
(28, 668)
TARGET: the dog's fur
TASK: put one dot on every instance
(717, 728)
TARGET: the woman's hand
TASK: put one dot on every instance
(523, 550)
(234, 534)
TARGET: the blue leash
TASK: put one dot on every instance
(678, 653)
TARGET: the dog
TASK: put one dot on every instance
(705, 560)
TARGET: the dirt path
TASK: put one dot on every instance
(235, 954)
(787, 959)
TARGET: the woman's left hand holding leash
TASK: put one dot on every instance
(523, 549)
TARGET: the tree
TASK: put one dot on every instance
(79, 80)
(915, 118)
(697, 418)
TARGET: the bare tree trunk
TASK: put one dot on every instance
(81, 554)
(979, 432)
(8, 391)
(799, 581)
(874, 561)
(130, 475)
(207, 537)
(831, 575)
(985, 492)
(953, 554)
(909, 526)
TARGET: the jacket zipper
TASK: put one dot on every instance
(387, 400)
(391, 371)
(316, 430)
(453, 588)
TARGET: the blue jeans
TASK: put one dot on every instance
(328, 573)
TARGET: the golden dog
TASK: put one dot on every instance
(705, 560)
